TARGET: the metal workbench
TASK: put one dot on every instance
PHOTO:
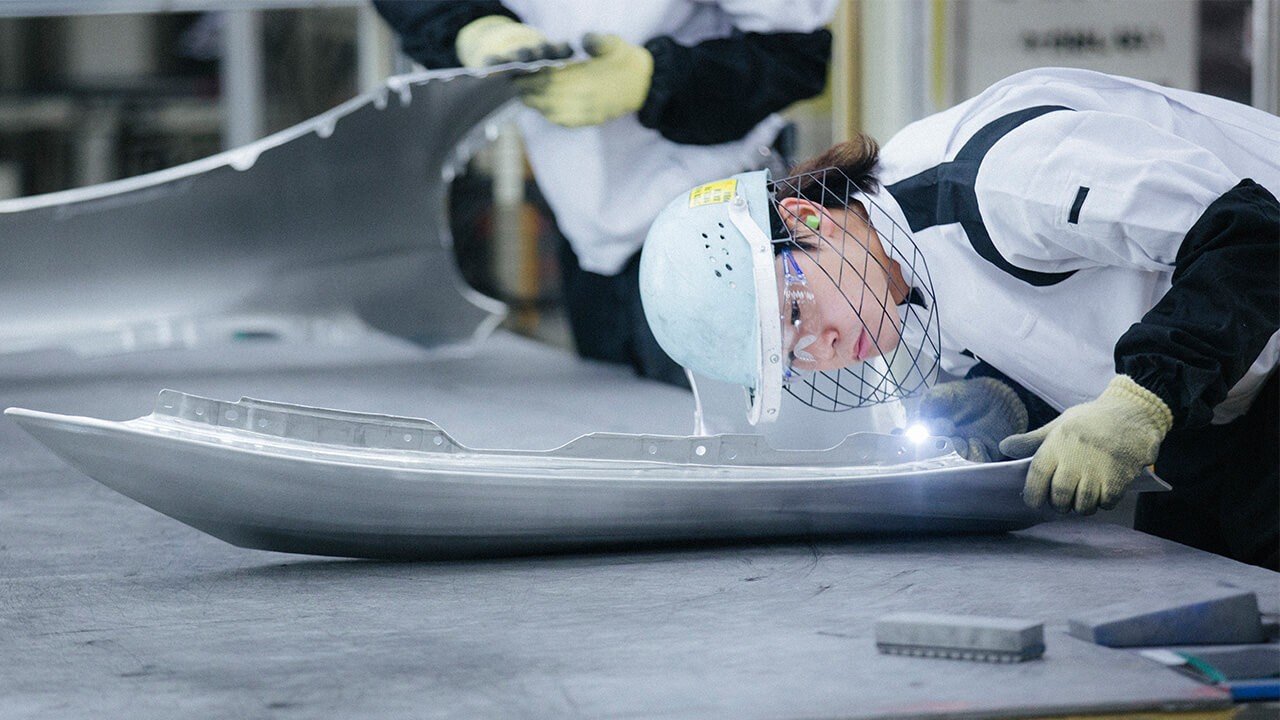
(112, 610)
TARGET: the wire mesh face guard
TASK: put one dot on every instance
(844, 271)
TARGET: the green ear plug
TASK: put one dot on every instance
(813, 221)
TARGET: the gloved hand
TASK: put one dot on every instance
(976, 414)
(497, 39)
(1087, 456)
(614, 82)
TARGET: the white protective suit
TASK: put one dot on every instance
(1086, 187)
(605, 183)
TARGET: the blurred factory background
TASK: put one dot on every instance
(92, 91)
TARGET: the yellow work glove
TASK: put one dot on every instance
(614, 82)
(1088, 455)
(497, 39)
(976, 414)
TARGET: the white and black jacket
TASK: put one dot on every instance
(1078, 225)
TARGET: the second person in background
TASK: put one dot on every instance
(672, 93)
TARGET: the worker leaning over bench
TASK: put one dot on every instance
(1096, 257)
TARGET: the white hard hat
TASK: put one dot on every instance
(709, 287)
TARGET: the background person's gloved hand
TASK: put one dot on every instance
(976, 414)
(497, 39)
(614, 82)
(1087, 456)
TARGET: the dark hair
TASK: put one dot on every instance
(829, 179)
(856, 161)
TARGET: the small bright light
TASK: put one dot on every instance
(917, 433)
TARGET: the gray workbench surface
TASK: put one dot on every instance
(110, 609)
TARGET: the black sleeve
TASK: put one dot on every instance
(1221, 311)
(428, 28)
(717, 90)
(1039, 412)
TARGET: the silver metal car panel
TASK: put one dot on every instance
(287, 478)
(339, 220)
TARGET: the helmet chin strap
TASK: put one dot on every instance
(766, 397)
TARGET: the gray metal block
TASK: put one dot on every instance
(1215, 617)
(960, 637)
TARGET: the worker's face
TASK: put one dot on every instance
(835, 303)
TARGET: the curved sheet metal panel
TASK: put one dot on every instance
(340, 217)
(287, 478)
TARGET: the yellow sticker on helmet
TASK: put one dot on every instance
(720, 191)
